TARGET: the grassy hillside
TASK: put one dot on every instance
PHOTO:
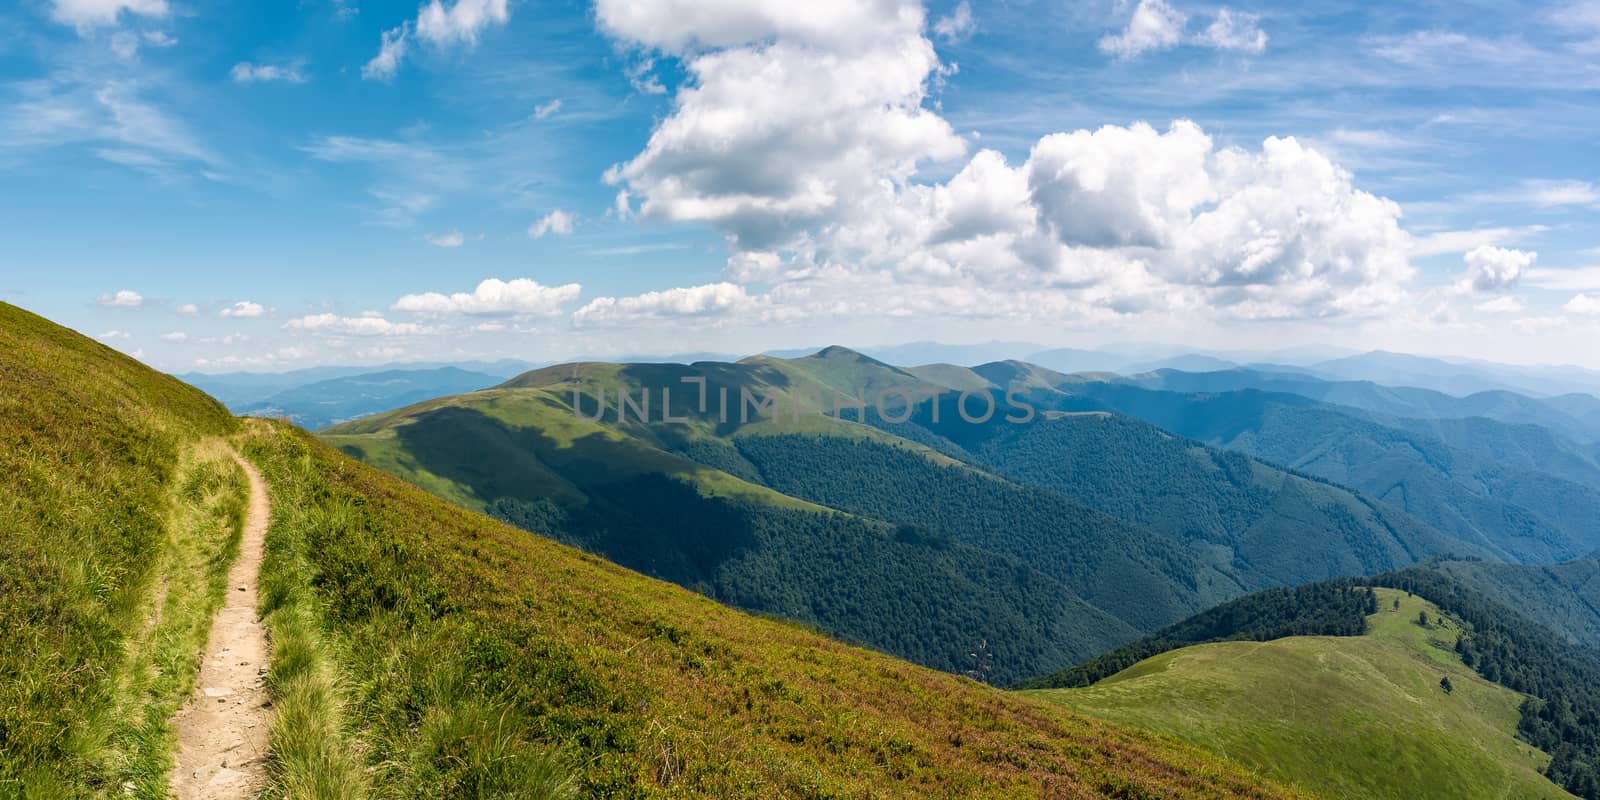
(473, 659)
(1361, 716)
(105, 495)
(645, 496)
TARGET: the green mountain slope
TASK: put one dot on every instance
(637, 494)
(1046, 565)
(1570, 416)
(1506, 509)
(1563, 597)
(1343, 716)
(482, 661)
(421, 650)
(1257, 524)
(98, 481)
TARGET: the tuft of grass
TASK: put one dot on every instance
(191, 579)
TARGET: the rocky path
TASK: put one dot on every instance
(222, 730)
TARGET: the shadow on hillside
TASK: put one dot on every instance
(612, 497)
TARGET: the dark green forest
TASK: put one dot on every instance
(911, 592)
(1329, 608)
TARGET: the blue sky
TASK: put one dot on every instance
(222, 187)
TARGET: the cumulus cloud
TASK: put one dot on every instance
(1495, 269)
(87, 14)
(557, 222)
(770, 138)
(188, 309)
(1156, 25)
(246, 72)
(244, 309)
(110, 335)
(494, 296)
(125, 298)
(176, 337)
(1583, 304)
(451, 239)
(368, 324)
(800, 137)
(544, 110)
(458, 23)
(694, 301)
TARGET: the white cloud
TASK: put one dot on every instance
(1583, 304)
(557, 222)
(1494, 269)
(799, 137)
(1506, 304)
(1545, 193)
(768, 139)
(544, 110)
(86, 14)
(451, 239)
(457, 23)
(246, 72)
(369, 324)
(176, 337)
(188, 309)
(713, 299)
(1445, 242)
(1154, 26)
(461, 22)
(1577, 279)
(494, 296)
(392, 48)
(958, 25)
(159, 39)
(1233, 30)
(126, 298)
(109, 335)
(244, 309)
(683, 25)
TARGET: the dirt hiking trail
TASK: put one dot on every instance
(222, 729)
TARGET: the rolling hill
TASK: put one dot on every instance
(1342, 716)
(1519, 493)
(423, 650)
(835, 523)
